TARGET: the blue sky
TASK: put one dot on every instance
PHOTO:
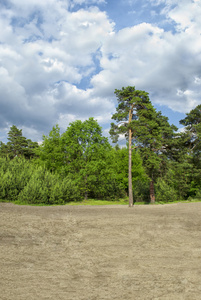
(61, 60)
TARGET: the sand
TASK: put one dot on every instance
(100, 252)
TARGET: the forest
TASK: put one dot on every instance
(157, 164)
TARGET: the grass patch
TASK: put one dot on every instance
(96, 202)
(83, 202)
(125, 202)
(99, 202)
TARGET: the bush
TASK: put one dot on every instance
(47, 188)
(198, 195)
(37, 189)
(109, 190)
(164, 192)
(24, 181)
(141, 191)
(65, 191)
(15, 174)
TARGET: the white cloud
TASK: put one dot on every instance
(88, 2)
(197, 80)
(157, 61)
(46, 50)
(82, 103)
(53, 49)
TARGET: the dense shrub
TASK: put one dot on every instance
(27, 182)
(14, 174)
(47, 188)
(198, 195)
(108, 189)
(141, 191)
(165, 192)
(65, 190)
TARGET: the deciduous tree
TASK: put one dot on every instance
(50, 152)
(85, 149)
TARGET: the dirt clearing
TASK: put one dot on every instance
(100, 252)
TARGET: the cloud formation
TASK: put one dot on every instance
(62, 60)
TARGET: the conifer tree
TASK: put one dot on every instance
(3, 149)
(189, 142)
(145, 129)
(17, 143)
(192, 123)
(130, 103)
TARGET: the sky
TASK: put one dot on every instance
(61, 60)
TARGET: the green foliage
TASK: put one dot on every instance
(151, 132)
(17, 146)
(154, 135)
(198, 194)
(100, 202)
(119, 168)
(47, 188)
(81, 163)
(189, 142)
(165, 192)
(21, 180)
(17, 143)
(51, 154)
(193, 118)
(141, 191)
(85, 152)
(14, 176)
(3, 150)
(132, 105)
(129, 99)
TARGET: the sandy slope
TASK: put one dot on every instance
(100, 252)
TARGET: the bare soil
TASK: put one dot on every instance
(100, 252)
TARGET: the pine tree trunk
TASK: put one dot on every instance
(130, 188)
(152, 193)
(86, 190)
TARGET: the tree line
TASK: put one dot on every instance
(158, 164)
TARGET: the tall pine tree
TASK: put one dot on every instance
(130, 104)
(145, 129)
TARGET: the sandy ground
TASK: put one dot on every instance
(100, 252)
